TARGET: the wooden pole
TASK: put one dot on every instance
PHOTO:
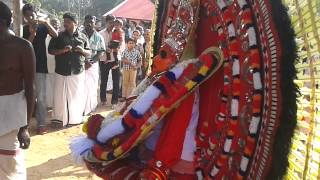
(17, 17)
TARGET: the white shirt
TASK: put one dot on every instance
(107, 38)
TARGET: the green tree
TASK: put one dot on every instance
(82, 7)
(36, 3)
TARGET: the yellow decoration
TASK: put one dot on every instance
(104, 155)
(163, 109)
(203, 70)
(85, 127)
(118, 152)
(117, 114)
(115, 142)
(190, 84)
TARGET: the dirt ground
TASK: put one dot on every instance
(49, 155)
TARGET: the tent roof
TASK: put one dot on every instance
(134, 9)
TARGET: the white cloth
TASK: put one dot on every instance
(51, 63)
(12, 167)
(110, 130)
(50, 76)
(130, 31)
(13, 112)
(91, 88)
(107, 38)
(68, 98)
(110, 82)
(50, 87)
(189, 144)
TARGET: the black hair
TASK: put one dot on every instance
(71, 16)
(110, 17)
(28, 7)
(136, 30)
(130, 39)
(119, 21)
(5, 13)
(89, 17)
(135, 23)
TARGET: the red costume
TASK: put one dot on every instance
(239, 58)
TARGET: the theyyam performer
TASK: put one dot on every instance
(219, 103)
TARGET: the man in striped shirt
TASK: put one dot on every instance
(131, 61)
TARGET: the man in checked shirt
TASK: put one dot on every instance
(131, 61)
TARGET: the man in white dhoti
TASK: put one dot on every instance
(70, 49)
(98, 48)
(17, 72)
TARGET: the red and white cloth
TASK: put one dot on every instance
(13, 115)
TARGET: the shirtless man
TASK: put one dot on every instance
(17, 71)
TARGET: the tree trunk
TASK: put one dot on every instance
(17, 17)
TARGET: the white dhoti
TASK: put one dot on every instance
(91, 88)
(13, 115)
(12, 166)
(51, 75)
(69, 98)
(50, 88)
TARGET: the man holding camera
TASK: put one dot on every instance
(70, 48)
(36, 31)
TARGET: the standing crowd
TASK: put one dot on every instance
(68, 66)
(83, 57)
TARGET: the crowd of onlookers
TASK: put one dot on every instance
(74, 61)
(62, 66)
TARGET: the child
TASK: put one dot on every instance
(131, 60)
(118, 33)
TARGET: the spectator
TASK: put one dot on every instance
(36, 31)
(138, 46)
(132, 27)
(141, 38)
(146, 52)
(70, 49)
(109, 62)
(131, 59)
(136, 36)
(16, 98)
(98, 48)
(126, 29)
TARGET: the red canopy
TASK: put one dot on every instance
(134, 9)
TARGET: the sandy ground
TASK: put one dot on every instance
(49, 156)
